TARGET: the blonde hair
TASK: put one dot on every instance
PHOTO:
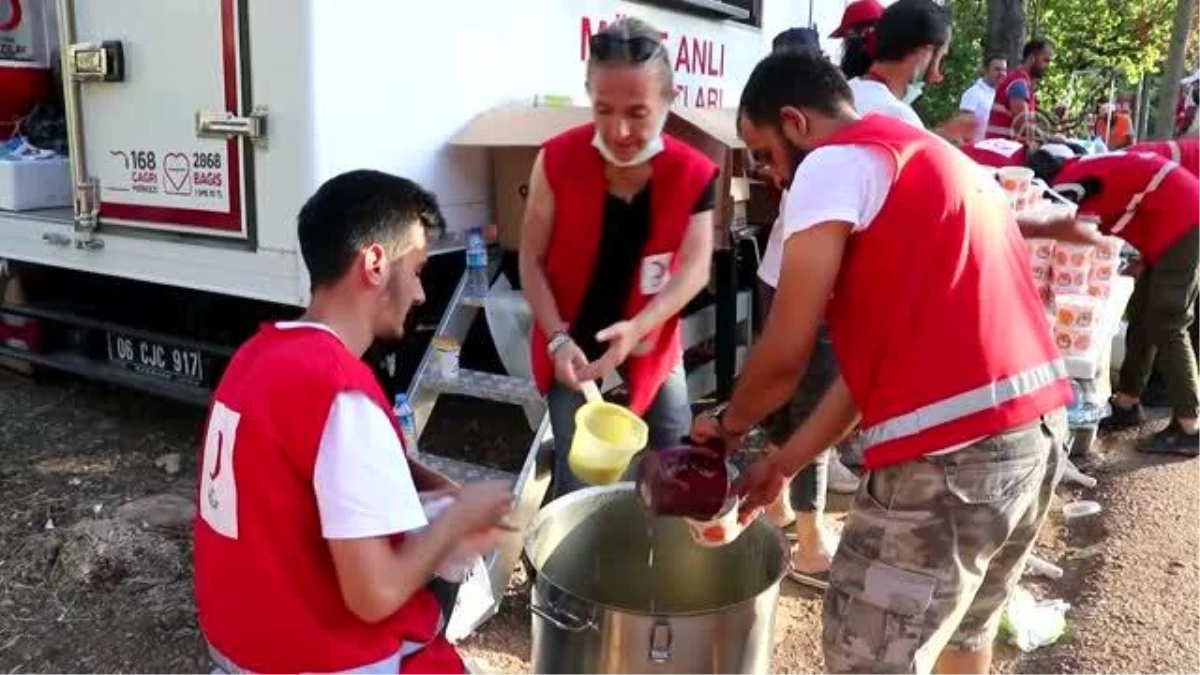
(629, 30)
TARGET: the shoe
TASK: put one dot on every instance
(1123, 418)
(1172, 441)
(841, 480)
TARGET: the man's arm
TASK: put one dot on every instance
(1024, 121)
(1070, 230)
(535, 239)
(692, 274)
(366, 496)
(811, 261)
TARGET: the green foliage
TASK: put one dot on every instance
(1097, 43)
(963, 64)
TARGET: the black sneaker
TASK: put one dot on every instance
(1172, 441)
(1123, 418)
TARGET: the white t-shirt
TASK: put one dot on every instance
(874, 97)
(847, 183)
(768, 267)
(362, 484)
(977, 100)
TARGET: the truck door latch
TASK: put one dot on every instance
(98, 61)
(224, 124)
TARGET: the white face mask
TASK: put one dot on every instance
(913, 92)
(652, 147)
(917, 86)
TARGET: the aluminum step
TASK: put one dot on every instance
(487, 386)
(529, 492)
(463, 472)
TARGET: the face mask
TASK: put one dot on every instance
(913, 92)
(652, 147)
(917, 86)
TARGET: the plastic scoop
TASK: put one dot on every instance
(607, 436)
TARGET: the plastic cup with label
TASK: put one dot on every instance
(1073, 341)
(447, 350)
(1076, 311)
(1069, 281)
(720, 530)
(1017, 182)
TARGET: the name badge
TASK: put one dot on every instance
(656, 272)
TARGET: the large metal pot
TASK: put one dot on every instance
(599, 606)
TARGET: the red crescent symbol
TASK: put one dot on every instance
(220, 451)
(14, 18)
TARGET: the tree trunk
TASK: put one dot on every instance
(1005, 29)
(1168, 93)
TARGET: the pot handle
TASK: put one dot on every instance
(562, 620)
(660, 642)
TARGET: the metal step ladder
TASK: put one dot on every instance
(533, 481)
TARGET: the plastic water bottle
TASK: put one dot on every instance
(477, 262)
(1084, 412)
(407, 419)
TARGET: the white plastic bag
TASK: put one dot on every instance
(1031, 623)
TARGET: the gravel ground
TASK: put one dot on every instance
(89, 586)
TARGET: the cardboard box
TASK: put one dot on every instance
(513, 133)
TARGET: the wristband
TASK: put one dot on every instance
(557, 341)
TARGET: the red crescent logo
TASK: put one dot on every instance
(220, 451)
(14, 16)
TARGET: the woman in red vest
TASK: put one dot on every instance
(1149, 202)
(914, 259)
(617, 239)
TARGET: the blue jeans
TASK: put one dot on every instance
(669, 418)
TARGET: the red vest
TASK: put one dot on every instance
(575, 172)
(987, 153)
(268, 598)
(1000, 122)
(1142, 198)
(1183, 151)
(938, 329)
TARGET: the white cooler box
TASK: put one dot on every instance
(35, 184)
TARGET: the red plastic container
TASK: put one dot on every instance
(684, 481)
(21, 88)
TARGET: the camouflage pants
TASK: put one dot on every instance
(932, 549)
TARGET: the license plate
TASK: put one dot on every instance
(157, 359)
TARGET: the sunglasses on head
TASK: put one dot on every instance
(612, 47)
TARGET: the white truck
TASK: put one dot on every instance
(197, 128)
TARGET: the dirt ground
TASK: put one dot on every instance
(89, 583)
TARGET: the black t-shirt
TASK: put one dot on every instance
(626, 227)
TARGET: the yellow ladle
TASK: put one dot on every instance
(607, 436)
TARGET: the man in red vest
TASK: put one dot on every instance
(1014, 110)
(617, 239)
(947, 364)
(313, 552)
(1183, 151)
(1149, 202)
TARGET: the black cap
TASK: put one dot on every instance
(798, 39)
